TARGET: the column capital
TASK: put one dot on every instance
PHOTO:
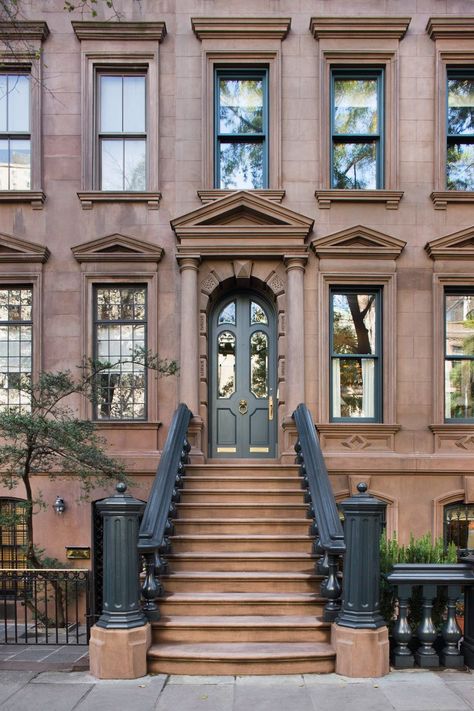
(188, 261)
(295, 262)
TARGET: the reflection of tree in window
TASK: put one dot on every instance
(259, 364)
(460, 120)
(459, 352)
(459, 525)
(225, 364)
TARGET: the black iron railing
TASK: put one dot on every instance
(417, 585)
(156, 526)
(44, 606)
(327, 525)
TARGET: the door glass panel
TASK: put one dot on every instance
(225, 365)
(257, 314)
(259, 364)
(227, 315)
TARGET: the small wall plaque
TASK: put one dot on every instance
(77, 553)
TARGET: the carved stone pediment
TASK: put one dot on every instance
(242, 223)
(117, 248)
(13, 249)
(457, 245)
(358, 243)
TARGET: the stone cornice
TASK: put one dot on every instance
(441, 198)
(212, 194)
(451, 27)
(358, 242)
(117, 248)
(359, 27)
(457, 245)
(35, 197)
(241, 27)
(13, 249)
(391, 198)
(91, 30)
(23, 30)
(89, 197)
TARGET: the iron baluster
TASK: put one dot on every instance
(450, 656)
(402, 633)
(426, 632)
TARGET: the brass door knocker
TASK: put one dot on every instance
(243, 407)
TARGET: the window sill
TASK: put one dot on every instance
(358, 436)
(35, 197)
(441, 198)
(88, 198)
(455, 437)
(391, 198)
(207, 196)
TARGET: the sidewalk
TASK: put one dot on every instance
(399, 691)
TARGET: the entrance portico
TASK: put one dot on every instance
(239, 242)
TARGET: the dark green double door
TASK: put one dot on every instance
(243, 378)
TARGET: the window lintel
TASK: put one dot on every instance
(241, 27)
(359, 27)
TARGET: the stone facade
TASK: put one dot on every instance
(291, 241)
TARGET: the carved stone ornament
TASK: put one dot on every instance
(465, 442)
(276, 284)
(242, 269)
(209, 283)
(356, 442)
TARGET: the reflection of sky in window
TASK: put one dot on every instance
(355, 106)
(241, 106)
(461, 106)
(241, 165)
(355, 166)
(14, 103)
(460, 166)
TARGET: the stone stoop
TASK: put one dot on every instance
(241, 593)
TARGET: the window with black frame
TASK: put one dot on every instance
(458, 525)
(459, 354)
(355, 351)
(357, 121)
(13, 533)
(241, 129)
(460, 130)
(16, 346)
(120, 334)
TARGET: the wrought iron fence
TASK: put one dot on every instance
(44, 606)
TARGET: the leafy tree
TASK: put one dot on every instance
(47, 437)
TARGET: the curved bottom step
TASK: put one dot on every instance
(258, 658)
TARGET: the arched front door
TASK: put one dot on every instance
(243, 378)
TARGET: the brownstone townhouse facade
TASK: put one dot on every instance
(281, 199)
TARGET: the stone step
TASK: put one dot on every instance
(240, 628)
(193, 482)
(230, 604)
(245, 469)
(241, 658)
(242, 526)
(235, 581)
(243, 496)
(301, 562)
(231, 510)
(236, 543)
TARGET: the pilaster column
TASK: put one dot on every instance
(189, 349)
(294, 362)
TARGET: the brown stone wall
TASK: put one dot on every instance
(413, 467)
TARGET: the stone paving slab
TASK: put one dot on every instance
(46, 696)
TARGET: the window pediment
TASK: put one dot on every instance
(13, 249)
(117, 248)
(358, 243)
(241, 27)
(242, 223)
(457, 245)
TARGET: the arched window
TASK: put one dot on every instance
(458, 525)
(13, 533)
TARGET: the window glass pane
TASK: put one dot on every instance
(4, 161)
(15, 347)
(135, 165)
(355, 166)
(134, 104)
(121, 388)
(257, 314)
(227, 315)
(460, 324)
(3, 102)
(111, 104)
(18, 103)
(460, 166)
(459, 392)
(355, 106)
(111, 165)
(354, 323)
(241, 165)
(461, 106)
(353, 387)
(241, 105)
(259, 364)
(459, 525)
(20, 164)
(225, 364)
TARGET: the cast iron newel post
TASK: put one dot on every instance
(360, 636)
(121, 606)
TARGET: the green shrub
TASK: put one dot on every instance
(418, 550)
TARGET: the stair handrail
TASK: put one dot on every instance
(161, 506)
(327, 527)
